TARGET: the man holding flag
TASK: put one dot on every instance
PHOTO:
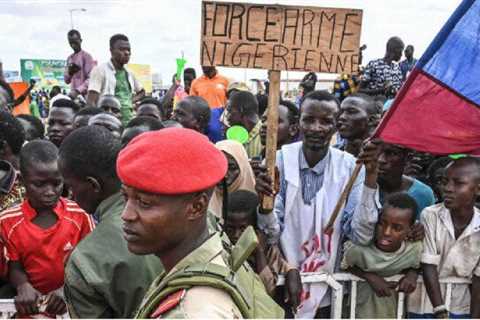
(438, 111)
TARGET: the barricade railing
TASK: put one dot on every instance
(337, 281)
(7, 310)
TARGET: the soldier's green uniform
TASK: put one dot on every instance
(102, 278)
(167, 200)
(205, 284)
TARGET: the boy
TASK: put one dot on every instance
(388, 255)
(12, 137)
(60, 120)
(139, 125)
(110, 104)
(267, 261)
(40, 233)
(452, 246)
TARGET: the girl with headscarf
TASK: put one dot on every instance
(239, 175)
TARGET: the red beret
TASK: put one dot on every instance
(171, 161)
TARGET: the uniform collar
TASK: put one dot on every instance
(211, 248)
(31, 213)
(105, 206)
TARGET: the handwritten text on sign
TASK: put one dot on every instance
(279, 37)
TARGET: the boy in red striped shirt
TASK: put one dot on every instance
(40, 233)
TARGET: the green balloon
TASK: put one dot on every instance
(237, 133)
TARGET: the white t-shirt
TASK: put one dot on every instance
(453, 257)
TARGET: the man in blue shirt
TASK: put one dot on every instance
(391, 166)
(407, 65)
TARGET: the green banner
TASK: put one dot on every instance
(47, 73)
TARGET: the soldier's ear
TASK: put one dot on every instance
(198, 206)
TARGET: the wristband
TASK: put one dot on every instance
(440, 308)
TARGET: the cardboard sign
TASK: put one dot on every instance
(277, 37)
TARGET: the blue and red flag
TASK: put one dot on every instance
(438, 108)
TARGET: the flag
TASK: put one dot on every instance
(438, 108)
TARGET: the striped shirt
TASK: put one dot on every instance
(253, 146)
(315, 177)
(311, 178)
(42, 252)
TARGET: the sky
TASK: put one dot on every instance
(159, 31)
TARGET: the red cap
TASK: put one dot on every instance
(171, 161)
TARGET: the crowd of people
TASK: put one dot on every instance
(123, 205)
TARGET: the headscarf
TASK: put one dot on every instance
(245, 179)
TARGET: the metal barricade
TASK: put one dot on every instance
(7, 310)
(337, 281)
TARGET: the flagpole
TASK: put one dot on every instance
(343, 197)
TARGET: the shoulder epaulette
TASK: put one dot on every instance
(170, 302)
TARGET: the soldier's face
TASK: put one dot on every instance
(155, 224)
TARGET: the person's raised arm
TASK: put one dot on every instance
(169, 95)
(92, 98)
(365, 216)
(271, 223)
(25, 94)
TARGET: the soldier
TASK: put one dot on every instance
(103, 279)
(167, 195)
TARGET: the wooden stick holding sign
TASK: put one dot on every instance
(279, 37)
(272, 129)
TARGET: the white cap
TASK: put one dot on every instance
(58, 97)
